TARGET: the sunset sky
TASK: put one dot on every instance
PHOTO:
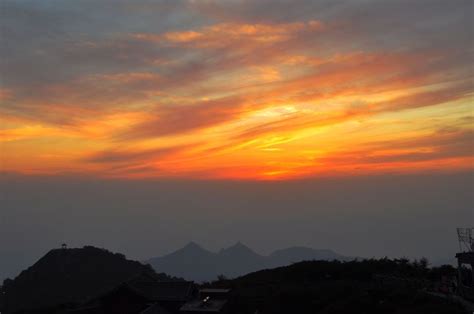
(139, 126)
(254, 90)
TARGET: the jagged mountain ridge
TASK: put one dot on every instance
(193, 262)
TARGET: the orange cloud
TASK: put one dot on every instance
(242, 100)
(219, 35)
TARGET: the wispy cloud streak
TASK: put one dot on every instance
(238, 89)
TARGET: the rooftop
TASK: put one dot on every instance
(214, 290)
(211, 305)
(164, 291)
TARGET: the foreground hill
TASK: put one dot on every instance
(193, 262)
(61, 280)
(69, 276)
(323, 287)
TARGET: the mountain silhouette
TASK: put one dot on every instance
(193, 262)
(70, 276)
(63, 279)
(239, 259)
(333, 287)
(297, 254)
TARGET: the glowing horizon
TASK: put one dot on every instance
(218, 92)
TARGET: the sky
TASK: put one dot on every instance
(235, 89)
(250, 95)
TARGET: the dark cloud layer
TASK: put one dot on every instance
(52, 42)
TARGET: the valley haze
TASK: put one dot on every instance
(192, 262)
(391, 215)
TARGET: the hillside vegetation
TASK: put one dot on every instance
(333, 287)
(65, 276)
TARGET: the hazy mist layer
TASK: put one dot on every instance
(410, 215)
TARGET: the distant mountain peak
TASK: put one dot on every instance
(195, 263)
(192, 245)
(237, 248)
(239, 245)
(192, 249)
